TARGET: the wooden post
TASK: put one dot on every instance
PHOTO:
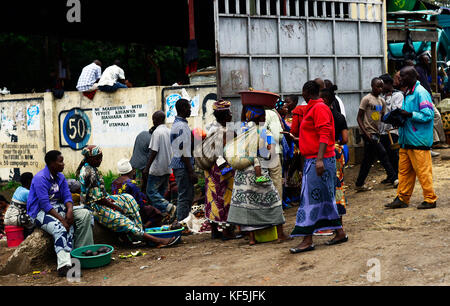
(191, 20)
(434, 70)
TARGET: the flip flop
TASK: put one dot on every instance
(336, 242)
(298, 251)
(172, 243)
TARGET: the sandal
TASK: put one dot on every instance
(336, 242)
(298, 251)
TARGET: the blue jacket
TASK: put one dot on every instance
(45, 191)
(417, 133)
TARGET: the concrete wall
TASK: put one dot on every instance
(70, 123)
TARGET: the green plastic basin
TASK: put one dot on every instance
(90, 262)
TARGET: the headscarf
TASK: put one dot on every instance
(221, 105)
(279, 105)
(253, 112)
(89, 151)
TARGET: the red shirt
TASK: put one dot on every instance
(297, 117)
(317, 126)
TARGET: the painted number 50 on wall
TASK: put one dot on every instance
(76, 129)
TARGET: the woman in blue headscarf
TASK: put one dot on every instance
(255, 206)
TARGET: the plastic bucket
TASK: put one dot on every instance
(266, 235)
(14, 236)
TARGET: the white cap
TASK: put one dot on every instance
(124, 166)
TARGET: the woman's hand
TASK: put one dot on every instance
(320, 168)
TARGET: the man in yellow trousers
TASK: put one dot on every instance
(416, 140)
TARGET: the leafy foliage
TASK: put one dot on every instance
(28, 61)
(10, 186)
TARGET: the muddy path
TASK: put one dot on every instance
(411, 247)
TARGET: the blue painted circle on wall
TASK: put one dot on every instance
(77, 129)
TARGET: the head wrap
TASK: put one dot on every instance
(91, 151)
(221, 105)
(253, 112)
(124, 166)
(279, 105)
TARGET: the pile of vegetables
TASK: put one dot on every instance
(102, 250)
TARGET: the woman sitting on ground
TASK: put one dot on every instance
(126, 184)
(119, 213)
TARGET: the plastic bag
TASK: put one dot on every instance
(205, 155)
(242, 151)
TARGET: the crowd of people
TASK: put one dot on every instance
(300, 160)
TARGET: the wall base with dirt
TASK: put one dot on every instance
(33, 124)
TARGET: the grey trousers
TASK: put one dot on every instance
(83, 228)
(185, 193)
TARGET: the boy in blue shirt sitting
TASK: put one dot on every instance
(16, 215)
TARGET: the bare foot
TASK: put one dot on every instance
(165, 241)
(284, 238)
(251, 238)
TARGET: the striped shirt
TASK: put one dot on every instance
(181, 140)
(89, 75)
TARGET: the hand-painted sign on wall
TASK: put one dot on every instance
(76, 129)
(20, 155)
(118, 126)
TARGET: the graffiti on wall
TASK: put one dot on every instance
(19, 122)
(15, 155)
(201, 97)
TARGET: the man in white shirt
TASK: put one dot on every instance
(157, 171)
(112, 78)
(394, 100)
(273, 124)
(89, 77)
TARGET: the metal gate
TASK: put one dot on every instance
(278, 45)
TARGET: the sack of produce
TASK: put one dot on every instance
(241, 152)
(205, 154)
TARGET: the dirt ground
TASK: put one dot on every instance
(411, 247)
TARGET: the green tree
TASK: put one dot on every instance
(28, 60)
